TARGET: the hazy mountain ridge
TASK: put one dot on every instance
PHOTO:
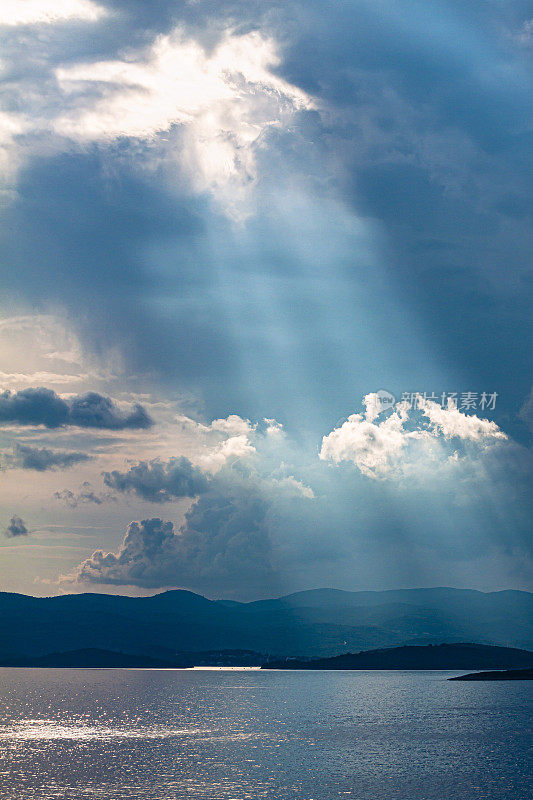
(320, 622)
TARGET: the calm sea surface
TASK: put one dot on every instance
(215, 735)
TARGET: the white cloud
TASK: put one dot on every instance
(388, 448)
(232, 425)
(372, 447)
(31, 12)
(222, 442)
(293, 486)
(215, 431)
(274, 428)
(451, 422)
(225, 441)
(226, 452)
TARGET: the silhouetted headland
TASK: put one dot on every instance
(497, 675)
(442, 656)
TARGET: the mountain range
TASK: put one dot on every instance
(313, 623)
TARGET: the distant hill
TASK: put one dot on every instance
(318, 623)
(500, 675)
(443, 656)
(94, 657)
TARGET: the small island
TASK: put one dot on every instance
(497, 675)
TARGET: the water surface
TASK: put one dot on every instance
(230, 735)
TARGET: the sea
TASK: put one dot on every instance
(214, 734)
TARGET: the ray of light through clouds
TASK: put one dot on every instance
(224, 100)
(223, 229)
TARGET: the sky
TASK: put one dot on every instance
(265, 319)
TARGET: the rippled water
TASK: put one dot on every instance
(214, 735)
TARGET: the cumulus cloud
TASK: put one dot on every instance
(16, 527)
(223, 441)
(218, 446)
(385, 448)
(41, 458)
(233, 425)
(450, 422)
(274, 428)
(432, 164)
(232, 449)
(146, 554)
(41, 406)
(373, 448)
(260, 525)
(159, 481)
(226, 542)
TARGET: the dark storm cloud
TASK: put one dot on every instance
(33, 407)
(92, 410)
(433, 128)
(224, 545)
(40, 406)
(425, 132)
(83, 238)
(16, 527)
(421, 139)
(146, 553)
(159, 481)
(41, 458)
